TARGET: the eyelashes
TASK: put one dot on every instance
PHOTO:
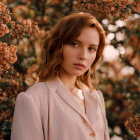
(74, 44)
(93, 48)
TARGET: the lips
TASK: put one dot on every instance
(79, 64)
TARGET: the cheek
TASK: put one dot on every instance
(68, 54)
(91, 59)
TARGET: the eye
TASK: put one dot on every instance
(92, 49)
(74, 44)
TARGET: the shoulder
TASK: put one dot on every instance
(100, 94)
(101, 100)
(35, 93)
(37, 87)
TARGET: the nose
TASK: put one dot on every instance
(83, 54)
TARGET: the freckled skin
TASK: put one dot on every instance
(80, 52)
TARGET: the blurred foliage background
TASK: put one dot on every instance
(23, 25)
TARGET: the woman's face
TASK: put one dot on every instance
(82, 51)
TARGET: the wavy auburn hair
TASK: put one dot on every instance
(66, 31)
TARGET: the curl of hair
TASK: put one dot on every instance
(66, 31)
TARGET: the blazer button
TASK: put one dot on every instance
(92, 134)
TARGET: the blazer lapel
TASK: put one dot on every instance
(69, 99)
(91, 103)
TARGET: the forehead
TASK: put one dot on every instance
(89, 35)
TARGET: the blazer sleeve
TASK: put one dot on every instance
(102, 103)
(26, 123)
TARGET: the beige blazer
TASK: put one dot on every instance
(48, 111)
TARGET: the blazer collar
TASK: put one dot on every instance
(91, 103)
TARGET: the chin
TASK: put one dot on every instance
(78, 73)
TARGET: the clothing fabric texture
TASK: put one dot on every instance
(48, 111)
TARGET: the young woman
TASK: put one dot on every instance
(64, 104)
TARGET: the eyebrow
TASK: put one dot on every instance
(90, 44)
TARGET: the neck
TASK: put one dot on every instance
(68, 80)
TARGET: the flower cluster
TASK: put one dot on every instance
(26, 28)
(5, 15)
(16, 30)
(7, 55)
(136, 6)
(116, 8)
(133, 42)
(5, 18)
(3, 30)
(133, 125)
